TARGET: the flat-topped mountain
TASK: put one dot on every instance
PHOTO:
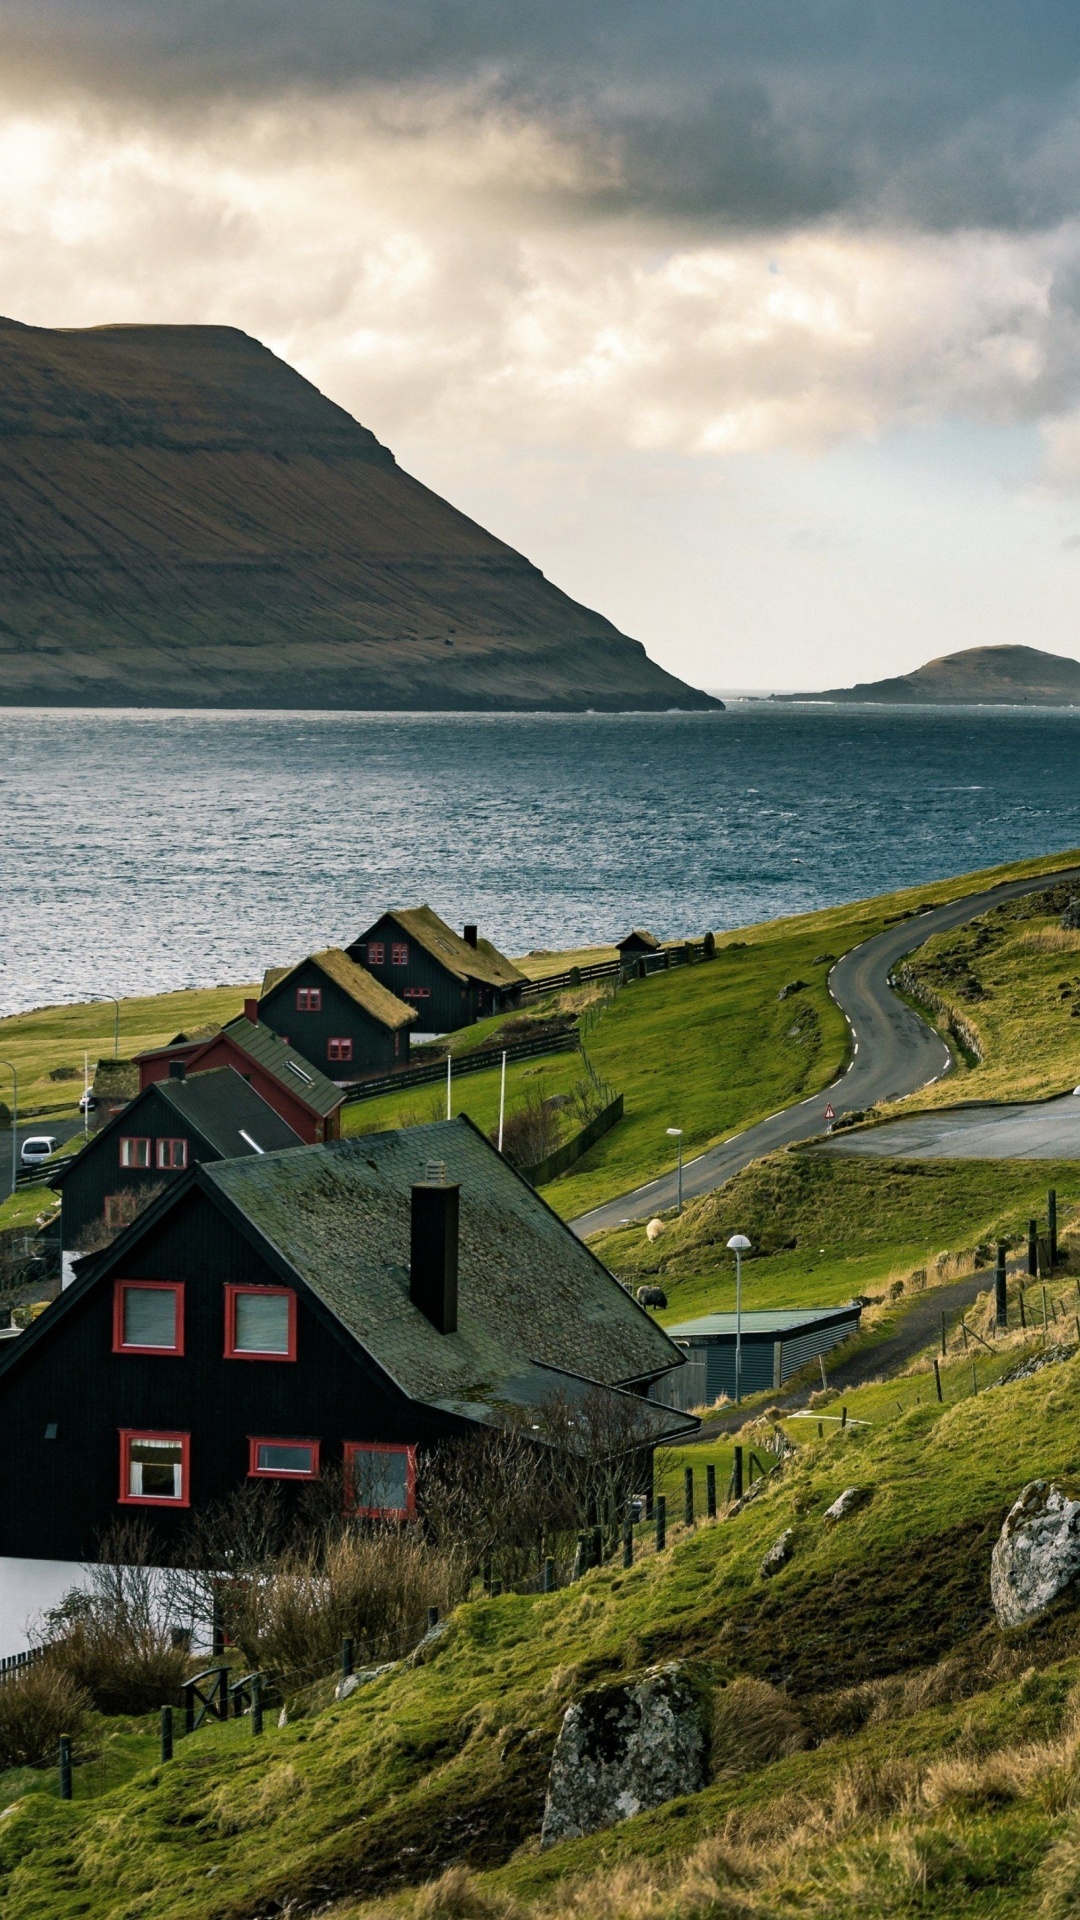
(979, 676)
(186, 521)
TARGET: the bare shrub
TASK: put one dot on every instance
(752, 1725)
(531, 1131)
(36, 1707)
(122, 1209)
(116, 1638)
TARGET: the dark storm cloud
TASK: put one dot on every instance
(942, 112)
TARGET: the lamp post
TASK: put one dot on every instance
(739, 1244)
(676, 1134)
(101, 999)
(14, 1121)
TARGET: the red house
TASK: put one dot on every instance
(304, 1097)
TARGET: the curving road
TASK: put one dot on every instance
(893, 1053)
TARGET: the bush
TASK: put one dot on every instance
(36, 1707)
(116, 1640)
(752, 1725)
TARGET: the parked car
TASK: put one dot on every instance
(38, 1148)
(88, 1103)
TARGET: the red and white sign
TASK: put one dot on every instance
(829, 1114)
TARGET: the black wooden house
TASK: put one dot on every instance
(348, 1305)
(161, 1133)
(451, 979)
(338, 1015)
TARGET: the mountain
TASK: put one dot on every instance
(979, 676)
(186, 521)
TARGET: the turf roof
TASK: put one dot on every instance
(361, 986)
(531, 1295)
(482, 962)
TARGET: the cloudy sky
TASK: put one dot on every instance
(756, 326)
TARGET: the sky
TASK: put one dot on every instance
(756, 327)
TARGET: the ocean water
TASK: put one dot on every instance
(141, 851)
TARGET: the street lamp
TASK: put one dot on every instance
(102, 997)
(14, 1121)
(676, 1134)
(738, 1244)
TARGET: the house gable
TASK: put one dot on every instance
(97, 1176)
(338, 1016)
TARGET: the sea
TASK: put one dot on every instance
(142, 851)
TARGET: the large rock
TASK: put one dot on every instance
(848, 1502)
(1037, 1556)
(623, 1749)
(779, 1554)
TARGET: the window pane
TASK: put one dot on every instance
(149, 1317)
(381, 1479)
(277, 1457)
(262, 1323)
(156, 1469)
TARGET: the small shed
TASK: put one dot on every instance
(639, 940)
(776, 1342)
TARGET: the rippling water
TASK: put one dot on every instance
(147, 850)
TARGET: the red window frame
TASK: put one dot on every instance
(128, 1140)
(120, 1288)
(376, 953)
(416, 993)
(309, 999)
(166, 1154)
(408, 1511)
(232, 1352)
(127, 1435)
(255, 1472)
(339, 1049)
(399, 953)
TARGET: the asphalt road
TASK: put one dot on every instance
(893, 1053)
(1045, 1130)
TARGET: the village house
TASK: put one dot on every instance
(295, 1088)
(450, 979)
(339, 1308)
(162, 1132)
(338, 1014)
(637, 942)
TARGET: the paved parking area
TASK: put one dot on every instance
(1048, 1131)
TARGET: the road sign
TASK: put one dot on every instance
(829, 1114)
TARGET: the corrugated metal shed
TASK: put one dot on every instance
(776, 1342)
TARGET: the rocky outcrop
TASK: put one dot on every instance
(188, 522)
(1037, 1556)
(779, 1554)
(623, 1749)
(848, 1502)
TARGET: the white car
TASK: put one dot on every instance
(39, 1147)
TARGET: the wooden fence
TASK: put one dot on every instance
(571, 1150)
(479, 1062)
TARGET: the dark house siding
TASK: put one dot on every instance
(62, 1494)
(441, 1001)
(97, 1173)
(375, 1049)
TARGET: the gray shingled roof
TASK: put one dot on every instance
(223, 1107)
(286, 1065)
(531, 1296)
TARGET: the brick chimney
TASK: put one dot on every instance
(251, 1011)
(433, 1267)
(470, 936)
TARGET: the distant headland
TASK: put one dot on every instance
(978, 676)
(190, 523)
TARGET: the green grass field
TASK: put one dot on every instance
(935, 1766)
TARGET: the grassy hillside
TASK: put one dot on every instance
(824, 1228)
(935, 1760)
(1009, 982)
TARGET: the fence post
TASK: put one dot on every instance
(1001, 1300)
(596, 1547)
(937, 1379)
(710, 1491)
(256, 1703)
(843, 1416)
(688, 1496)
(65, 1766)
(737, 1475)
(1051, 1224)
(549, 1575)
(581, 1558)
(189, 1706)
(661, 1522)
(432, 1617)
(1045, 1329)
(1033, 1249)
(1023, 1313)
(944, 1346)
(166, 1733)
(628, 1543)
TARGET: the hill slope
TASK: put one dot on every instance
(986, 676)
(186, 521)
